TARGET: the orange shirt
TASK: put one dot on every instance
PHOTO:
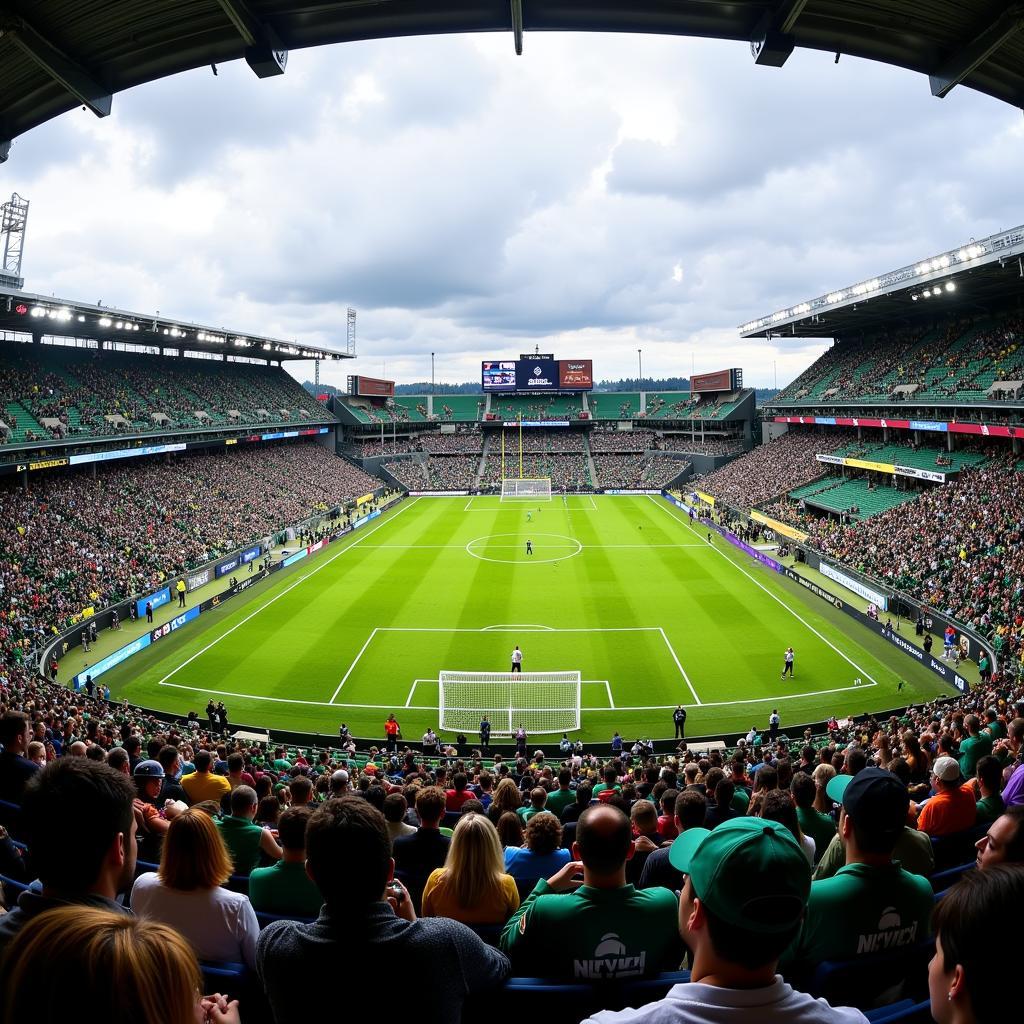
(949, 811)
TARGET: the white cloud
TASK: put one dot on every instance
(599, 195)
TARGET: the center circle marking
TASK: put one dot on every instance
(517, 543)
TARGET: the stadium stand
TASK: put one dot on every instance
(56, 392)
(957, 361)
(772, 468)
(535, 407)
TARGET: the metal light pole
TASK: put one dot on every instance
(640, 365)
(432, 373)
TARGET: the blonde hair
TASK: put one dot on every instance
(823, 775)
(194, 855)
(135, 969)
(506, 797)
(475, 861)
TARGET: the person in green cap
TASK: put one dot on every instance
(747, 883)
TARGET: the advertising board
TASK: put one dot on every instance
(498, 376)
(576, 374)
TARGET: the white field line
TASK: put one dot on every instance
(344, 678)
(412, 690)
(510, 627)
(611, 702)
(546, 547)
(590, 711)
(671, 650)
(796, 615)
(549, 629)
(288, 589)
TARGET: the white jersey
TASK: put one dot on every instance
(517, 657)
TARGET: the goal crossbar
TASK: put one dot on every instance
(540, 702)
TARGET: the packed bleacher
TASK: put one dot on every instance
(636, 470)
(623, 441)
(772, 468)
(72, 540)
(958, 359)
(825, 867)
(696, 445)
(566, 471)
(55, 392)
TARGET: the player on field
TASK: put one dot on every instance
(787, 665)
(517, 660)
(529, 516)
(529, 547)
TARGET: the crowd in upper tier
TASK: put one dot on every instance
(55, 392)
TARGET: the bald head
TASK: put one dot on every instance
(604, 839)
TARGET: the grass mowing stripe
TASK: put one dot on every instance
(796, 615)
(302, 579)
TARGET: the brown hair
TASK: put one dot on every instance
(430, 804)
(136, 969)
(543, 833)
(506, 797)
(194, 855)
(510, 829)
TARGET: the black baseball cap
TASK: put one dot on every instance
(875, 799)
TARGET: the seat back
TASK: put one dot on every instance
(956, 849)
(942, 880)
(876, 979)
(265, 918)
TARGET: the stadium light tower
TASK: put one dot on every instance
(640, 365)
(13, 218)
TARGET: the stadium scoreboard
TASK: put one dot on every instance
(537, 375)
(371, 387)
(719, 380)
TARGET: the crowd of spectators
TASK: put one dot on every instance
(74, 540)
(772, 468)
(822, 848)
(566, 471)
(696, 445)
(953, 358)
(958, 547)
(623, 441)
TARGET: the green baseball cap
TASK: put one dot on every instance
(749, 872)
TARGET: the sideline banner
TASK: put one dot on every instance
(869, 594)
(158, 600)
(111, 660)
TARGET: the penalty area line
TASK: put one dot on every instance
(775, 597)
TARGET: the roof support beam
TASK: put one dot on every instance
(772, 41)
(58, 65)
(517, 25)
(977, 51)
(263, 50)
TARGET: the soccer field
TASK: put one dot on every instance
(621, 589)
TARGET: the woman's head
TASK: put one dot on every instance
(474, 860)
(544, 833)
(135, 969)
(507, 797)
(510, 829)
(974, 954)
(194, 855)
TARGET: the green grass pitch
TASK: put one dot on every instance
(620, 588)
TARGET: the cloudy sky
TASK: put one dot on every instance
(599, 195)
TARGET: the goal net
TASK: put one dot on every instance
(532, 489)
(541, 702)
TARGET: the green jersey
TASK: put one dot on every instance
(242, 838)
(862, 910)
(594, 934)
(820, 827)
(913, 851)
(972, 750)
(284, 888)
(990, 808)
(558, 800)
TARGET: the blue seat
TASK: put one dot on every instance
(238, 883)
(876, 979)
(10, 815)
(13, 888)
(450, 819)
(542, 998)
(942, 880)
(229, 979)
(956, 849)
(906, 1011)
(490, 933)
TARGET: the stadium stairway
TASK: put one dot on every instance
(482, 464)
(591, 468)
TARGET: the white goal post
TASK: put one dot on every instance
(526, 488)
(541, 702)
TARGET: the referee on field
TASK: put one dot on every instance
(517, 660)
(679, 719)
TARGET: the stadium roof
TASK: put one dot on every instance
(981, 275)
(60, 54)
(26, 313)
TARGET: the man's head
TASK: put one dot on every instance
(538, 797)
(80, 828)
(203, 761)
(874, 811)
(236, 764)
(973, 724)
(348, 854)
(746, 889)
(803, 789)
(946, 773)
(168, 757)
(244, 802)
(15, 732)
(604, 840)
(395, 806)
(1004, 841)
(301, 789)
(430, 803)
(644, 817)
(291, 828)
(691, 809)
(339, 783)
